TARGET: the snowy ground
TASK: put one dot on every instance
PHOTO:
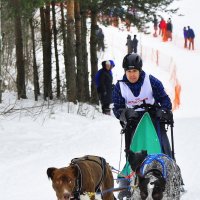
(33, 140)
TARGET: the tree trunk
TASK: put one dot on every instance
(70, 68)
(21, 89)
(48, 52)
(35, 69)
(94, 60)
(63, 28)
(46, 43)
(56, 50)
(85, 57)
(80, 75)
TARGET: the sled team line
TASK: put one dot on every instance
(144, 111)
(90, 177)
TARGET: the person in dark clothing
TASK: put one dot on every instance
(191, 37)
(169, 29)
(100, 40)
(185, 34)
(136, 86)
(105, 86)
(129, 44)
(135, 44)
(155, 25)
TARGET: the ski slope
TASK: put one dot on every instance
(33, 140)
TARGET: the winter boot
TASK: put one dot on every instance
(106, 111)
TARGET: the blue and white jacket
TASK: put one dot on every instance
(159, 93)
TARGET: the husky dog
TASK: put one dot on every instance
(158, 177)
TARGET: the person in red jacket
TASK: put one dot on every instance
(162, 27)
(164, 31)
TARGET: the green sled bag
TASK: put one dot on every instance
(144, 138)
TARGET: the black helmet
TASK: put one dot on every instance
(132, 61)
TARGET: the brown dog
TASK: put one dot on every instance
(84, 178)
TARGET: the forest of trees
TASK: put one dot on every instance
(59, 32)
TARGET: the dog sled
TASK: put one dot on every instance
(147, 138)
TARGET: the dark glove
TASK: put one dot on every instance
(128, 114)
(165, 115)
(113, 86)
(105, 93)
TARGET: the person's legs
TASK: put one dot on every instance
(155, 31)
(192, 41)
(185, 44)
(160, 31)
(129, 132)
(171, 35)
(189, 43)
(102, 46)
(162, 135)
(165, 144)
(106, 109)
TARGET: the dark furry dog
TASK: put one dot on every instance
(157, 177)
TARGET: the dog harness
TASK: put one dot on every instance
(155, 157)
(79, 181)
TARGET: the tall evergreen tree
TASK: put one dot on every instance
(79, 55)
(46, 43)
(56, 49)
(83, 11)
(21, 88)
(35, 67)
(70, 68)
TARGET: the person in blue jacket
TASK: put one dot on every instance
(104, 85)
(191, 37)
(185, 34)
(135, 88)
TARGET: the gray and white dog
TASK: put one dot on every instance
(158, 177)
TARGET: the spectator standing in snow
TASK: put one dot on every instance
(105, 86)
(185, 34)
(191, 37)
(162, 26)
(100, 39)
(135, 43)
(129, 44)
(169, 29)
(155, 25)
